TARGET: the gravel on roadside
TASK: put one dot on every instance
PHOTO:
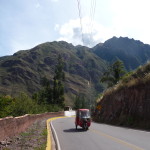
(34, 138)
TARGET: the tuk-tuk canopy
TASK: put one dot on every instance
(83, 113)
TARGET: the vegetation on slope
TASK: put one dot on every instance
(114, 73)
(22, 105)
(140, 76)
(133, 53)
(53, 94)
(46, 100)
(23, 71)
(128, 102)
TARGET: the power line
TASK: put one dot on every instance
(91, 23)
(79, 9)
(92, 14)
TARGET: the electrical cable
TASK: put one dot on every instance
(92, 14)
(79, 9)
(91, 23)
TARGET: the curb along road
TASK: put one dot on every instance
(55, 137)
(49, 134)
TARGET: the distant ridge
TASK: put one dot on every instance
(132, 52)
(23, 71)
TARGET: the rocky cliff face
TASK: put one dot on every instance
(128, 105)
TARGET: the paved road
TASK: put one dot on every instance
(99, 137)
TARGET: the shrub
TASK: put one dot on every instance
(5, 106)
(24, 105)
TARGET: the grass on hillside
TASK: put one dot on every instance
(140, 76)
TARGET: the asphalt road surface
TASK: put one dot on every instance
(99, 137)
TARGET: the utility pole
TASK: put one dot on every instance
(89, 85)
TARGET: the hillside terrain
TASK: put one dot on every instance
(128, 102)
(23, 71)
(132, 52)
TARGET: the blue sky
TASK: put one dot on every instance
(27, 23)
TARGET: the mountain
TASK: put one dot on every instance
(132, 52)
(22, 72)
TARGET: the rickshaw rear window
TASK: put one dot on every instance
(85, 113)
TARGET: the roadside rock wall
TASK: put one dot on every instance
(129, 106)
(11, 126)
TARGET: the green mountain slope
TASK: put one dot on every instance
(132, 52)
(23, 71)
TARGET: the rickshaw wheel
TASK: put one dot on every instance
(85, 127)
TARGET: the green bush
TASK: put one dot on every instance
(22, 105)
(5, 106)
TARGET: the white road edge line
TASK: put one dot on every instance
(55, 137)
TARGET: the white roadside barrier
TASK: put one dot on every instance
(69, 113)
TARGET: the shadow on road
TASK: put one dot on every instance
(74, 130)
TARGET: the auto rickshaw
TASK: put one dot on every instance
(83, 118)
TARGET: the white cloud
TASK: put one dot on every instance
(54, 0)
(130, 18)
(57, 26)
(93, 33)
(37, 5)
(39, 21)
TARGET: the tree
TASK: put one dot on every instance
(53, 94)
(58, 87)
(114, 73)
(77, 103)
(5, 105)
(45, 95)
(80, 102)
(59, 73)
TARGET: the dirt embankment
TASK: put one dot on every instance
(34, 138)
(11, 126)
(128, 106)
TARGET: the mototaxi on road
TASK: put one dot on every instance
(83, 118)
